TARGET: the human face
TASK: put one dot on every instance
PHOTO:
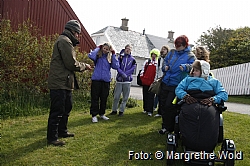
(127, 50)
(105, 49)
(153, 56)
(196, 72)
(180, 47)
(76, 34)
(164, 51)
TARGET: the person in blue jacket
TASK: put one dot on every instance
(123, 79)
(200, 81)
(199, 117)
(104, 59)
(177, 65)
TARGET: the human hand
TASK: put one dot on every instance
(207, 101)
(124, 76)
(189, 99)
(88, 67)
(181, 68)
(166, 68)
(113, 52)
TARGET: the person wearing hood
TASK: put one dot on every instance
(123, 79)
(176, 67)
(62, 80)
(200, 93)
(104, 58)
(150, 67)
(164, 51)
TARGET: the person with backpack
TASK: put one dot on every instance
(164, 51)
(177, 66)
(123, 79)
(148, 75)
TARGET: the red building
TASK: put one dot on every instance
(49, 16)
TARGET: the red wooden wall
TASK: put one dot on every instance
(48, 15)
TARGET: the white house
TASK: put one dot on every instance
(142, 43)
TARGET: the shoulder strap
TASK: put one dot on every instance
(159, 61)
(171, 55)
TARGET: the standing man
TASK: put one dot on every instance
(123, 79)
(62, 81)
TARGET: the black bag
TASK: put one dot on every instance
(139, 82)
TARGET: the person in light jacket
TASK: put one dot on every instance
(104, 59)
(164, 51)
(150, 67)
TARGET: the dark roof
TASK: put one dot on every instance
(142, 44)
(158, 42)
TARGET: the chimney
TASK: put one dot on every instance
(143, 32)
(124, 24)
(171, 36)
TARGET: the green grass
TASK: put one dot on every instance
(106, 143)
(239, 99)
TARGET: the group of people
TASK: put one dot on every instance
(173, 65)
(185, 75)
(62, 80)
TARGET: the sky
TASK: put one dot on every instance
(157, 17)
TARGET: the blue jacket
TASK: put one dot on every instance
(174, 60)
(127, 66)
(198, 83)
(102, 66)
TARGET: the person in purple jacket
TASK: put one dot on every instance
(123, 79)
(104, 59)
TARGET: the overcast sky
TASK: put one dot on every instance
(184, 17)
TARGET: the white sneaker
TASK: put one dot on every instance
(94, 119)
(150, 114)
(104, 117)
(144, 112)
(157, 115)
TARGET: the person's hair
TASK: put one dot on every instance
(166, 47)
(202, 53)
(129, 45)
(99, 54)
(183, 40)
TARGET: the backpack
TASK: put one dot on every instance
(139, 82)
(149, 73)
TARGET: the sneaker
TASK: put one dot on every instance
(56, 143)
(162, 131)
(157, 115)
(150, 114)
(113, 113)
(144, 112)
(120, 114)
(94, 119)
(104, 117)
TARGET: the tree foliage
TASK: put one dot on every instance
(24, 60)
(227, 47)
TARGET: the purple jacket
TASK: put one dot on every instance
(127, 66)
(102, 66)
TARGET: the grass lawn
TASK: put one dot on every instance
(106, 143)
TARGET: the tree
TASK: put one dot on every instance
(227, 47)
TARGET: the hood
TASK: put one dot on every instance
(203, 66)
(156, 52)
